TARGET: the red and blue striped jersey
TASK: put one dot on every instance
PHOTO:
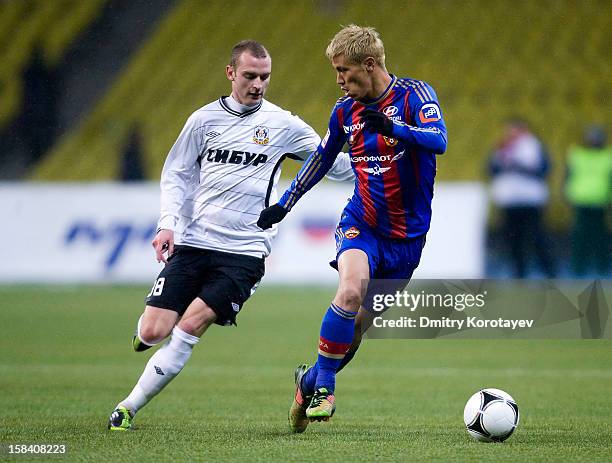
(394, 177)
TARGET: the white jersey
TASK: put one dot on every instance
(513, 187)
(222, 172)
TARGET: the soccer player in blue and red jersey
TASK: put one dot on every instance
(394, 129)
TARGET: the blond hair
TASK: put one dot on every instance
(357, 43)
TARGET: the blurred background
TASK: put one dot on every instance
(94, 92)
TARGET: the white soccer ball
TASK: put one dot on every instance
(491, 415)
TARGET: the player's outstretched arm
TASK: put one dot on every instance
(313, 170)
(305, 141)
(311, 173)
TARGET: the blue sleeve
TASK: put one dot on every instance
(318, 163)
(430, 130)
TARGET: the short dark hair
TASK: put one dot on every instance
(252, 46)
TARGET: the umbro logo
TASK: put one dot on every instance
(159, 371)
(213, 134)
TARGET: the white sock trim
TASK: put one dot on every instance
(185, 337)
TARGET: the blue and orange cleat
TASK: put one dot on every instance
(298, 421)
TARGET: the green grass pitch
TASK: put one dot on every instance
(66, 359)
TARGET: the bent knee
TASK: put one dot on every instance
(153, 334)
(349, 297)
(155, 324)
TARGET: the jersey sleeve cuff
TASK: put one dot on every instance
(166, 223)
(282, 202)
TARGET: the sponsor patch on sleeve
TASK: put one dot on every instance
(430, 112)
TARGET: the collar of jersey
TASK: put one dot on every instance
(385, 93)
(236, 113)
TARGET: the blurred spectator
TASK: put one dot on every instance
(518, 168)
(588, 189)
(38, 121)
(131, 168)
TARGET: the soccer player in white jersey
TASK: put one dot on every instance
(221, 172)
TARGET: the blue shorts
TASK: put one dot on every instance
(388, 258)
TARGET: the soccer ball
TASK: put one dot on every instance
(491, 415)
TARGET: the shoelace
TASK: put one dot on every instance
(318, 398)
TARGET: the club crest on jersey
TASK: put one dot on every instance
(390, 111)
(262, 135)
(376, 170)
(390, 141)
(351, 139)
(430, 112)
(351, 233)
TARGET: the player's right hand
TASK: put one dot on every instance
(163, 243)
(378, 122)
(271, 215)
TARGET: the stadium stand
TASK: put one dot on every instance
(547, 61)
(26, 24)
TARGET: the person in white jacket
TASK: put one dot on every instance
(518, 168)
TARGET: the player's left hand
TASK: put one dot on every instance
(377, 122)
(271, 215)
